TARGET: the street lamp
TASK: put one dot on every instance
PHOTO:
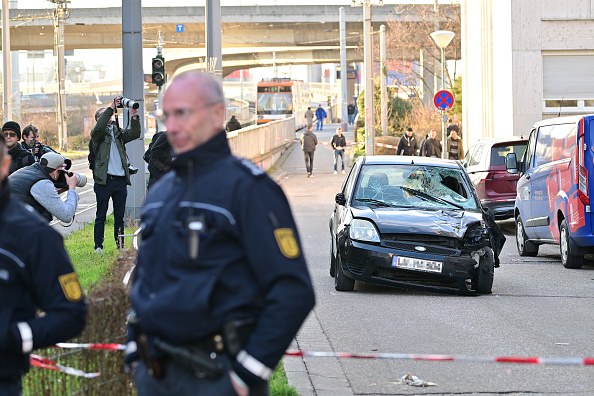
(442, 38)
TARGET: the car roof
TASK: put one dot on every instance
(500, 140)
(406, 160)
(561, 120)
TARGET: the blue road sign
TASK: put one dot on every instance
(443, 100)
(179, 28)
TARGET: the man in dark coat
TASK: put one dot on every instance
(407, 144)
(432, 147)
(20, 157)
(233, 124)
(309, 141)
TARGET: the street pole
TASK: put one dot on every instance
(133, 89)
(343, 73)
(60, 12)
(368, 60)
(7, 75)
(159, 90)
(384, 93)
(444, 140)
(214, 56)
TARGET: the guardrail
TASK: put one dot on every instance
(263, 144)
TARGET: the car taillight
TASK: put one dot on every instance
(488, 176)
(581, 172)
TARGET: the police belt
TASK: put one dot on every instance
(203, 357)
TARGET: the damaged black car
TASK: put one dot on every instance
(414, 223)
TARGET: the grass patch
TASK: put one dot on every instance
(91, 267)
(75, 153)
(278, 385)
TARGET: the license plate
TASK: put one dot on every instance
(416, 264)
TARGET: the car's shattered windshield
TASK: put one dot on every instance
(413, 186)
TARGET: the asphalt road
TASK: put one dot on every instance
(538, 308)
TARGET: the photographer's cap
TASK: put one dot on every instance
(52, 161)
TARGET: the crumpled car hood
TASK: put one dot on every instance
(451, 224)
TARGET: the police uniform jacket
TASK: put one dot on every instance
(21, 182)
(249, 263)
(33, 275)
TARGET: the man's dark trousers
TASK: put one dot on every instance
(309, 156)
(116, 189)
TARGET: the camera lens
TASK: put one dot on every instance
(81, 180)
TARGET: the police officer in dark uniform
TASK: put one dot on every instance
(214, 311)
(36, 275)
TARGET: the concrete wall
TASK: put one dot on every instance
(503, 44)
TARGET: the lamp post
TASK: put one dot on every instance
(442, 38)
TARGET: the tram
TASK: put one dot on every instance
(280, 98)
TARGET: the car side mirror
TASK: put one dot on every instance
(511, 163)
(340, 199)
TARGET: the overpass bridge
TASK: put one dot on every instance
(242, 26)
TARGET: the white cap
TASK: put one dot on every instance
(52, 160)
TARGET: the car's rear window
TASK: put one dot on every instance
(498, 153)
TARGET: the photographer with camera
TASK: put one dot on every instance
(32, 144)
(112, 169)
(36, 186)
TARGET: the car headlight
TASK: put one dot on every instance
(363, 230)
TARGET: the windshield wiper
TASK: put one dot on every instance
(431, 197)
(374, 201)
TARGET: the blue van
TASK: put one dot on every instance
(553, 196)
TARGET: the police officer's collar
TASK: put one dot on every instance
(212, 151)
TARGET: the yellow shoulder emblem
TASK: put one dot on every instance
(70, 286)
(285, 238)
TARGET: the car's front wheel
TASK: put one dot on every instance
(569, 260)
(525, 247)
(486, 272)
(341, 281)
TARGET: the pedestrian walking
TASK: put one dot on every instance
(112, 171)
(309, 115)
(454, 146)
(214, 311)
(36, 275)
(407, 144)
(351, 112)
(432, 147)
(233, 124)
(320, 115)
(452, 127)
(338, 144)
(309, 142)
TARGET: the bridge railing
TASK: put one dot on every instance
(263, 144)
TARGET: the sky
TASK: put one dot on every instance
(37, 4)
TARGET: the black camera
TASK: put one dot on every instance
(81, 180)
(132, 169)
(129, 103)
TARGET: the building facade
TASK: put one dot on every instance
(525, 60)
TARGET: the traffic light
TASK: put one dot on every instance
(158, 76)
(329, 101)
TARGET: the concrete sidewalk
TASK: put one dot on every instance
(315, 377)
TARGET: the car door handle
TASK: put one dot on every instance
(527, 177)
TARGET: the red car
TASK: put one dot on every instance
(485, 164)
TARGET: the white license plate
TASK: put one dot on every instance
(416, 264)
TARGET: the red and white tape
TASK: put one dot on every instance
(450, 358)
(42, 362)
(573, 361)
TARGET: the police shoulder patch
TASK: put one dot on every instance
(251, 167)
(70, 286)
(285, 238)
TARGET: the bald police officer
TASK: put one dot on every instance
(214, 312)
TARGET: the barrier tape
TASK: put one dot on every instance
(588, 361)
(41, 362)
(450, 358)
